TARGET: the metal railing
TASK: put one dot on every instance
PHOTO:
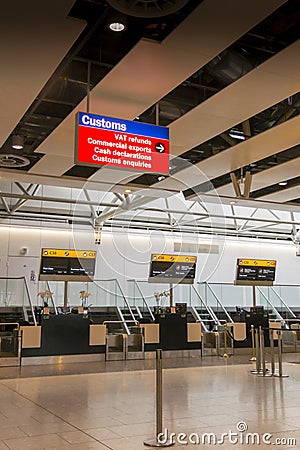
(51, 297)
(31, 305)
(125, 301)
(283, 302)
(219, 303)
(25, 291)
(198, 318)
(270, 304)
(123, 322)
(206, 307)
(143, 299)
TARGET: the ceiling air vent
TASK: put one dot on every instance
(13, 161)
(147, 8)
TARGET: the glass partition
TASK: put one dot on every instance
(263, 300)
(213, 296)
(231, 295)
(94, 293)
(157, 294)
(275, 298)
(289, 294)
(14, 292)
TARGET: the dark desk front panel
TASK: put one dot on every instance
(64, 334)
(172, 331)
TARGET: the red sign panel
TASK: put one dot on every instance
(104, 141)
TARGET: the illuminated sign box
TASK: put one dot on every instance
(124, 144)
(179, 269)
(67, 265)
(255, 272)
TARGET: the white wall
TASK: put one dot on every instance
(124, 255)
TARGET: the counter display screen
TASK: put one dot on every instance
(172, 269)
(252, 271)
(67, 264)
(57, 266)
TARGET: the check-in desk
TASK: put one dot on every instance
(61, 338)
(172, 332)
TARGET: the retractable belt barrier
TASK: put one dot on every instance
(260, 354)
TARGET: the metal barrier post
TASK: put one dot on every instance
(279, 374)
(262, 351)
(225, 354)
(253, 358)
(257, 353)
(271, 333)
(264, 372)
(160, 440)
(19, 346)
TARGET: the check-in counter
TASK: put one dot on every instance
(63, 338)
(72, 338)
(172, 332)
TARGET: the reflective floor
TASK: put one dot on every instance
(115, 409)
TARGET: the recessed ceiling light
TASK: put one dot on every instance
(232, 202)
(117, 26)
(282, 183)
(17, 142)
(237, 135)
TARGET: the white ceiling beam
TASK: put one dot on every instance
(151, 69)
(284, 195)
(268, 177)
(267, 84)
(35, 35)
(263, 145)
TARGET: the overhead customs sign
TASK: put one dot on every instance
(124, 144)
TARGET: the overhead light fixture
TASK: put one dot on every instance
(235, 134)
(127, 191)
(117, 26)
(232, 202)
(160, 178)
(282, 183)
(17, 142)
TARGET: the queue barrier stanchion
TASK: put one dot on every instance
(253, 357)
(278, 373)
(257, 370)
(264, 372)
(225, 354)
(271, 334)
(260, 353)
(159, 440)
(261, 369)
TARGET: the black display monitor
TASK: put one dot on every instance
(177, 269)
(67, 265)
(255, 272)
